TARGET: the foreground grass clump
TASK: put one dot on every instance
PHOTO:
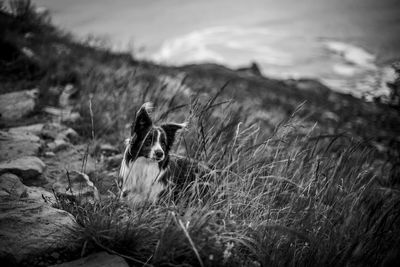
(284, 199)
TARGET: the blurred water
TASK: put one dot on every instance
(348, 44)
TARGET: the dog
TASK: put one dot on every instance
(145, 170)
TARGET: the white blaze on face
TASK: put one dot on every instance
(157, 147)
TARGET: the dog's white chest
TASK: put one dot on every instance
(141, 180)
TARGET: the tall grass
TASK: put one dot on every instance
(278, 200)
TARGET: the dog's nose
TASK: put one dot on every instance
(159, 154)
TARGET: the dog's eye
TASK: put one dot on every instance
(163, 140)
(125, 193)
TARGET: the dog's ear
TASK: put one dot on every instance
(142, 121)
(171, 129)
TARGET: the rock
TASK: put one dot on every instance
(16, 144)
(63, 115)
(58, 131)
(76, 185)
(328, 115)
(102, 259)
(58, 144)
(26, 140)
(69, 134)
(11, 186)
(29, 35)
(47, 131)
(25, 167)
(63, 139)
(28, 52)
(34, 192)
(31, 227)
(66, 96)
(16, 105)
(34, 129)
(49, 154)
(108, 150)
(74, 158)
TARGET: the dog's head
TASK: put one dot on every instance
(149, 140)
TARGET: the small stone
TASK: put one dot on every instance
(15, 144)
(16, 105)
(28, 52)
(49, 154)
(63, 115)
(28, 35)
(70, 134)
(10, 184)
(58, 145)
(76, 185)
(58, 131)
(75, 157)
(108, 150)
(34, 129)
(72, 117)
(25, 167)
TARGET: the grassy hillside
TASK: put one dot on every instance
(299, 175)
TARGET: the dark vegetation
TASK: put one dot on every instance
(299, 175)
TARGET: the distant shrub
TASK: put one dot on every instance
(27, 17)
(21, 9)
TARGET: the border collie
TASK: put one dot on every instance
(145, 167)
